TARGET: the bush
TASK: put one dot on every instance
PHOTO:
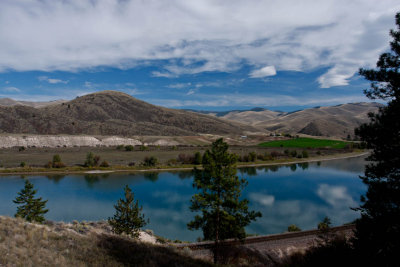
(252, 156)
(129, 148)
(293, 153)
(293, 228)
(91, 160)
(172, 162)
(131, 164)
(22, 164)
(143, 148)
(325, 224)
(21, 148)
(58, 165)
(185, 159)
(120, 147)
(56, 158)
(104, 164)
(304, 154)
(150, 161)
(275, 154)
(48, 165)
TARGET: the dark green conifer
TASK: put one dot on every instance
(223, 214)
(377, 237)
(128, 218)
(32, 209)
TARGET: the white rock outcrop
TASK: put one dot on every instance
(64, 141)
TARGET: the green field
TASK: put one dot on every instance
(306, 143)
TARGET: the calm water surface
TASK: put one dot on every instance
(299, 194)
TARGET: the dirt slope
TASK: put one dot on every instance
(111, 113)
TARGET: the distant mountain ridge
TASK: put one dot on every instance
(111, 113)
(8, 102)
(116, 113)
(331, 121)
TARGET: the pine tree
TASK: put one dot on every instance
(377, 236)
(128, 218)
(32, 209)
(224, 215)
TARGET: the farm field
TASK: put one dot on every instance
(306, 143)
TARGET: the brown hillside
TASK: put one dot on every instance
(336, 121)
(111, 113)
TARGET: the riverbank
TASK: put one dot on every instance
(162, 168)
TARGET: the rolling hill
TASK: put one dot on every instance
(111, 113)
(333, 121)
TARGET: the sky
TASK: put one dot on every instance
(201, 54)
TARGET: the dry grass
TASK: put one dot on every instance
(57, 244)
(73, 156)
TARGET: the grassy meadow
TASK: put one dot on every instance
(303, 142)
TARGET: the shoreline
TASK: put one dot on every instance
(163, 168)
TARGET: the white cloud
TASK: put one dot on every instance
(335, 195)
(51, 80)
(163, 74)
(196, 36)
(191, 92)
(11, 89)
(263, 72)
(179, 85)
(263, 199)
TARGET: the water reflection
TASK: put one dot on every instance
(151, 176)
(300, 194)
(56, 178)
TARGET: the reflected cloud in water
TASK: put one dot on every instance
(300, 194)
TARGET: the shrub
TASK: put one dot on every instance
(293, 153)
(252, 156)
(129, 148)
(22, 164)
(143, 148)
(57, 163)
(150, 161)
(275, 154)
(293, 228)
(131, 164)
(185, 159)
(104, 164)
(304, 154)
(91, 160)
(56, 158)
(324, 224)
(120, 147)
(48, 164)
(172, 162)
(21, 148)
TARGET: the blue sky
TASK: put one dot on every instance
(207, 55)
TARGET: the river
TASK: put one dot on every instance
(301, 194)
